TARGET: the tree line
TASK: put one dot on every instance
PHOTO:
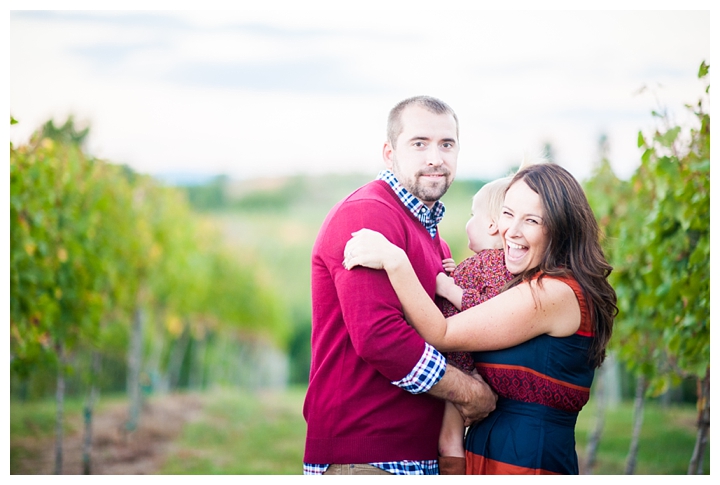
(108, 265)
(657, 238)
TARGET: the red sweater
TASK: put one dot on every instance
(360, 341)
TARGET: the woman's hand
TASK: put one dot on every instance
(371, 249)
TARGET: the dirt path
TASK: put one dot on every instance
(116, 452)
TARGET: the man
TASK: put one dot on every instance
(375, 398)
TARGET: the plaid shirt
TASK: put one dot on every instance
(431, 366)
(429, 218)
(422, 467)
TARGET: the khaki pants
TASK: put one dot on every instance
(355, 469)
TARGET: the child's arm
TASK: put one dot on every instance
(446, 288)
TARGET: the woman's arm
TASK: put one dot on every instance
(513, 317)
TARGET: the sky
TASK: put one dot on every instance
(263, 93)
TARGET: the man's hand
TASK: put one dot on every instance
(482, 405)
(469, 393)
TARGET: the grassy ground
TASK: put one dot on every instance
(666, 441)
(243, 433)
(34, 422)
(236, 432)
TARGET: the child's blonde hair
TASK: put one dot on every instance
(492, 195)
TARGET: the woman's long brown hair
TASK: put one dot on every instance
(574, 246)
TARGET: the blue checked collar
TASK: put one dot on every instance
(429, 218)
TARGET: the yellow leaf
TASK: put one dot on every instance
(58, 293)
(30, 248)
(62, 255)
(174, 325)
(15, 332)
(155, 251)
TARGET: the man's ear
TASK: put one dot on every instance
(493, 228)
(388, 155)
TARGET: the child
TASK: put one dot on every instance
(475, 280)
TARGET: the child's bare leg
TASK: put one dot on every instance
(451, 447)
(452, 433)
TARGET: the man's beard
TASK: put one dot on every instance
(427, 193)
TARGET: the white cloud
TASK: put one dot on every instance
(255, 92)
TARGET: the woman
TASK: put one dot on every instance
(539, 341)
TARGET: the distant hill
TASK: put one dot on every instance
(220, 193)
(185, 179)
(303, 190)
(314, 195)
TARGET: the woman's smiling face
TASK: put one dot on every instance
(522, 228)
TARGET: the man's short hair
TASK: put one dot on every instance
(434, 105)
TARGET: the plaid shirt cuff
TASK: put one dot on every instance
(426, 373)
(405, 467)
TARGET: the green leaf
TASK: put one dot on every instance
(669, 137)
(704, 69)
(640, 140)
(659, 230)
